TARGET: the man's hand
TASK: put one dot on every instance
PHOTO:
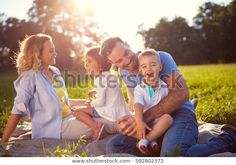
(127, 125)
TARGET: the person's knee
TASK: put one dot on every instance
(113, 145)
(168, 118)
(110, 147)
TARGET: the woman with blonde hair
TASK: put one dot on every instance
(39, 89)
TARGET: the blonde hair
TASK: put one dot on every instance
(31, 49)
(150, 52)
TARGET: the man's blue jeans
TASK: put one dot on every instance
(183, 132)
(224, 142)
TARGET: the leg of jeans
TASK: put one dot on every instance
(225, 142)
(122, 144)
(183, 132)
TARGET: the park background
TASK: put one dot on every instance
(203, 44)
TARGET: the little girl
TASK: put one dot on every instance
(109, 103)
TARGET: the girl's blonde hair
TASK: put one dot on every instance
(31, 49)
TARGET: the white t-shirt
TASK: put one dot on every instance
(143, 96)
(109, 103)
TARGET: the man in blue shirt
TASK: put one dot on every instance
(183, 132)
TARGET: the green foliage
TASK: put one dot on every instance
(176, 152)
(6, 153)
(7, 94)
(211, 39)
(68, 151)
(72, 31)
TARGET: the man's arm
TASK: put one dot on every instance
(177, 95)
(131, 99)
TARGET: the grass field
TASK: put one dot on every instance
(213, 85)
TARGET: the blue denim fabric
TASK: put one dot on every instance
(95, 113)
(225, 142)
(122, 144)
(183, 132)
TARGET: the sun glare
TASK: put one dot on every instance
(84, 4)
(122, 17)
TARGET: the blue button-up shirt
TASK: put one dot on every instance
(37, 98)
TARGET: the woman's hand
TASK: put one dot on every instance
(91, 93)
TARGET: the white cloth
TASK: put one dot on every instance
(142, 95)
(110, 103)
(73, 128)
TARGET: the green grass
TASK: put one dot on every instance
(7, 94)
(213, 85)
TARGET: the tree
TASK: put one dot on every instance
(230, 37)
(175, 37)
(72, 30)
(65, 17)
(218, 29)
(211, 39)
(1, 41)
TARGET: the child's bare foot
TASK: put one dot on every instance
(97, 132)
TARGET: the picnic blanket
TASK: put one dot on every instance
(21, 144)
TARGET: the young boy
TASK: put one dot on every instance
(149, 93)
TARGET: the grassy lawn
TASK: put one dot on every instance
(213, 85)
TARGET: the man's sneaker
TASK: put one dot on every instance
(194, 102)
(229, 127)
(97, 133)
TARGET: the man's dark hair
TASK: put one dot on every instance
(108, 44)
(93, 52)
